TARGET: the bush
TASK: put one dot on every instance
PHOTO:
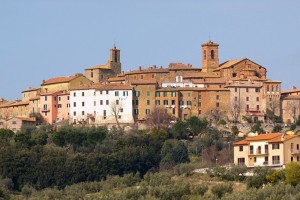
(277, 128)
(234, 130)
(221, 189)
(255, 181)
(199, 189)
(293, 127)
(292, 173)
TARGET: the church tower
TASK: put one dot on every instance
(114, 60)
(210, 56)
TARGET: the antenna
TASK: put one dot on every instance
(114, 43)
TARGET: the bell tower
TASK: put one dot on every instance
(210, 56)
(114, 60)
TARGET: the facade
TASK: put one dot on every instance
(101, 104)
(14, 109)
(16, 123)
(290, 105)
(274, 150)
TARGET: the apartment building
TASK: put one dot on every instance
(102, 104)
(273, 150)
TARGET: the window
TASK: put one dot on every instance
(46, 98)
(82, 104)
(257, 107)
(147, 111)
(204, 54)
(74, 113)
(173, 111)
(106, 91)
(54, 98)
(189, 103)
(272, 88)
(165, 94)
(59, 105)
(157, 102)
(100, 91)
(181, 103)
(275, 160)
(157, 94)
(83, 94)
(68, 105)
(104, 113)
(268, 88)
(136, 111)
(68, 97)
(165, 102)
(241, 161)
(92, 74)
(292, 159)
(255, 159)
(142, 77)
(235, 98)
(148, 93)
(189, 94)
(59, 98)
(212, 54)
(173, 94)
(74, 104)
(119, 116)
(241, 148)
(125, 93)
(117, 102)
(235, 89)
(180, 94)
(116, 93)
(94, 103)
(107, 102)
(217, 97)
(297, 147)
(148, 102)
(275, 146)
(121, 109)
(137, 93)
(136, 102)
(14, 122)
(257, 89)
(234, 74)
(74, 94)
(266, 149)
(257, 98)
(82, 113)
(199, 104)
(247, 89)
(251, 149)
(101, 102)
(247, 98)
(199, 97)
(247, 107)
(173, 102)
(101, 77)
(45, 107)
(217, 104)
(276, 88)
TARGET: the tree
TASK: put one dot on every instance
(180, 130)
(116, 109)
(294, 110)
(235, 111)
(215, 114)
(292, 173)
(272, 109)
(158, 119)
(196, 126)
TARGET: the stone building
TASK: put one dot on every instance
(290, 105)
(101, 73)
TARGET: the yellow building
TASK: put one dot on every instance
(273, 150)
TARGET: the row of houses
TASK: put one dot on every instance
(107, 95)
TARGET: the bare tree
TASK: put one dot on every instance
(158, 118)
(215, 115)
(116, 109)
(235, 111)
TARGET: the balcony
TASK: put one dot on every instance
(257, 153)
(45, 110)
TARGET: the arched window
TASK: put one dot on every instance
(204, 54)
(212, 54)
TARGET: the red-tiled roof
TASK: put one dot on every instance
(60, 79)
(144, 82)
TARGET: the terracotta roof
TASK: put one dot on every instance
(143, 82)
(229, 63)
(14, 103)
(191, 89)
(60, 79)
(270, 138)
(31, 89)
(291, 97)
(103, 86)
(245, 84)
(51, 93)
(210, 43)
(290, 91)
(271, 81)
(178, 66)
(200, 75)
(100, 67)
(34, 98)
(148, 70)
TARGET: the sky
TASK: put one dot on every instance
(41, 39)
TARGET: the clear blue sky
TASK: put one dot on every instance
(40, 39)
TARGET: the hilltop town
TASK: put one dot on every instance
(234, 90)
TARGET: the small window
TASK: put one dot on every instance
(165, 94)
(136, 102)
(101, 102)
(116, 93)
(234, 74)
(107, 102)
(257, 89)
(82, 104)
(189, 103)
(257, 107)
(148, 102)
(74, 104)
(82, 113)
(165, 102)
(247, 98)
(147, 111)
(217, 104)
(275, 146)
(74, 94)
(117, 102)
(212, 54)
(157, 94)
(157, 102)
(217, 97)
(235, 89)
(148, 93)
(257, 98)
(247, 89)
(241, 148)
(74, 113)
(83, 94)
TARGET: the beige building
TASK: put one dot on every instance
(273, 150)
(290, 105)
(16, 123)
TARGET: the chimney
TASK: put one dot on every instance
(140, 68)
(294, 88)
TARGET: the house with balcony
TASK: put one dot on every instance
(273, 150)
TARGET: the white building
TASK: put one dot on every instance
(101, 104)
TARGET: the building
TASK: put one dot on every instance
(102, 104)
(112, 68)
(290, 105)
(16, 123)
(229, 90)
(274, 150)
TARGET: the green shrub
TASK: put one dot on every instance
(199, 189)
(221, 189)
